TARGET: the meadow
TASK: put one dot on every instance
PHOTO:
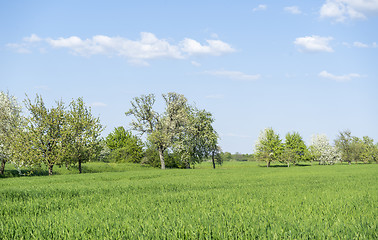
(239, 200)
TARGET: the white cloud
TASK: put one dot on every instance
(293, 10)
(341, 10)
(314, 44)
(148, 47)
(98, 104)
(235, 75)
(339, 78)
(194, 63)
(260, 7)
(32, 38)
(19, 47)
(360, 45)
(137, 52)
(214, 47)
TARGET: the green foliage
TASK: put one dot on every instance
(226, 156)
(130, 153)
(124, 146)
(41, 140)
(238, 201)
(198, 140)
(10, 122)
(181, 128)
(354, 148)
(120, 138)
(82, 133)
(343, 144)
(269, 146)
(56, 135)
(151, 157)
(294, 148)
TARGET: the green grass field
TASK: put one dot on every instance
(236, 201)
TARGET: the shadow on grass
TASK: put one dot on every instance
(285, 165)
(24, 173)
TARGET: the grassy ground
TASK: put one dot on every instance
(239, 200)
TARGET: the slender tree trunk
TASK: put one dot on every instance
(2, 166)
(187, 165)
(212, 157)
(288, 164)
(79, 165)
(268, 164)
(51, 169)
(161, 155)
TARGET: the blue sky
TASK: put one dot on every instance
(306, 66)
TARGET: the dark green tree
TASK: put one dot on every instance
(124, 146)
(294, 148)
(269, 146)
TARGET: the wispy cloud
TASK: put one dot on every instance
(136, 51)
(235, 75)
(194, 63)
(342, 10)
(339, 78)
(32, 38)
(360, 45)
(314, 44)
(213, 47)
(292, 10)
(260, 7)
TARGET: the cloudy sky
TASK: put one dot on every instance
(306, 66)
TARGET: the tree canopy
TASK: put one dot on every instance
(124, 146)
(10, 122)
(181, 127)
(269, 146)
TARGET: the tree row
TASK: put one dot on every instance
(69, 135)
(270, 148)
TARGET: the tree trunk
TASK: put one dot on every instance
(288, 164)
(161, 155)
(187, 164)
(50, 169)
(268, 164)
(212, 157)
(79, 165)
(2, 166)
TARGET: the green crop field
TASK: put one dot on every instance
(235, 201)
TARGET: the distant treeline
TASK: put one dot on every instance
(179, 137)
